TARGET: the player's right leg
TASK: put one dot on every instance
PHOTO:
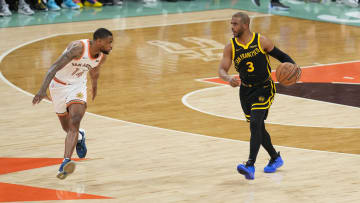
(69, 117)
(64, 121)
(81, 149)
(76, 113)
(247, 169)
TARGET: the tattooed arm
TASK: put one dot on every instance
(74, 50)
(94, 75)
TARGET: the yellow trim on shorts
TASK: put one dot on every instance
(269, 101)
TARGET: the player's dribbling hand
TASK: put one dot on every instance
(234, 82)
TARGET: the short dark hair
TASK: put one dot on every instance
(101, 33)
(243, 16)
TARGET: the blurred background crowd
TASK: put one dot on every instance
(29, 7)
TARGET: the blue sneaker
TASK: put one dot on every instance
(70, 4)
(247, 171)
(67, 167)
(52, 6)
(274, 164)
(81, 149)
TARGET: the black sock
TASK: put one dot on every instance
(250, 162)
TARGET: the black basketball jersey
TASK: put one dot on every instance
(251, 61)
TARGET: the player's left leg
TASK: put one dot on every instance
(256, 139)
(276, 160)
(266, 143)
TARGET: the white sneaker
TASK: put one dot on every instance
(26, 10)
(5, 10)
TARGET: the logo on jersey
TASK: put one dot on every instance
(243, 56)
(85, 65)
(261, 99)
(80, 95)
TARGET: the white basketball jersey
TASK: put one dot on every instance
(76, 71)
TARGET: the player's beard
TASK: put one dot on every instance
(105, 52)
(239, 34)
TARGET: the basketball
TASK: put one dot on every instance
(288, 73)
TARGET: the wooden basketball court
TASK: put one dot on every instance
(164, 129)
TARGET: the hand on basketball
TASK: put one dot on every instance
(234, 82)
(38, 97)
(288, 74)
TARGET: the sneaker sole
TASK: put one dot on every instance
(69, 168)
(247, 176)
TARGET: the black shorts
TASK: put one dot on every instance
(259, 97)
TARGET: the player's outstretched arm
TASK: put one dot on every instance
(225, 65)
(74, 50)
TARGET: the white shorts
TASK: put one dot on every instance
(63, 95)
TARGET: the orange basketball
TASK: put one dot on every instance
(288, 73)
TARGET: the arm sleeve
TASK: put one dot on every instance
(281, 56)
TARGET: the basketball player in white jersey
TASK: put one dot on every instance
(66, 80)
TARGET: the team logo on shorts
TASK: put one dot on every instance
(79, 95)
(261, 99)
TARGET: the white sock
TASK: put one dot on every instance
(79, 137)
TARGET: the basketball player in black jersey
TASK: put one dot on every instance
(250, 53)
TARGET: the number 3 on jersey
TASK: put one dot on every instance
(251, 67)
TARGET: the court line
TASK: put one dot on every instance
(171, 130)
(312, 66)
(3, 55)
(135, 27)
(186, 103)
